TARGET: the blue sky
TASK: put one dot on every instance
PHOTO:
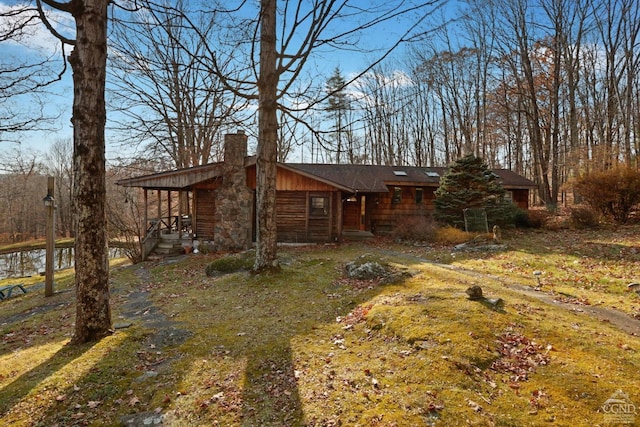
(40, 43)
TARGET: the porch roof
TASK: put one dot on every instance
(178, 179)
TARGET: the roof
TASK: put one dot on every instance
(351, 178)
(175, 179)
(378, 178)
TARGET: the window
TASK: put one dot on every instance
(432, 174)
(508, 196)
(319, 206)
(397, 195)
(418, 195)
(400, 173)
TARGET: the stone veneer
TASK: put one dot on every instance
(234, 200)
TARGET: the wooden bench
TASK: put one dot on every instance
(5, 291)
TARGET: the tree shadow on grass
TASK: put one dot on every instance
(14, 392)
(270, 394)
(244, 367)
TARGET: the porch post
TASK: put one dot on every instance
(159, 210)
(179, 222)
(340, 205)
(146, 212)
(363, 211)
(169, 210)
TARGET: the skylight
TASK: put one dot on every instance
(432, 174)
(400, 173)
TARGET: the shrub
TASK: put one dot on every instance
(537, 218)
(504, 214)
(452, 235)
(613, 192)
(231, 264)
(584, 217)
(521, 219)
(417, 228)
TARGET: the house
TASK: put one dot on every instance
(315, 202)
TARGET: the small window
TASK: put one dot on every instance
(432, 174)
(397, 195)
(319, 206)
(508, 196)
(400, 173)
(418, 195)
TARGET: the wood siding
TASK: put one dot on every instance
(385, 211)
(296, 223)
(289, 181)
(205, 209)
(291, 217)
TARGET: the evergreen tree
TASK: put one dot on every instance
(337, 106)
(469, 183)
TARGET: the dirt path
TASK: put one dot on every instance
(135, 306)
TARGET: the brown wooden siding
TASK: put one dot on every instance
(294, 222)
(289, 181)
(205, 208)
(385, 212)
(291, 217)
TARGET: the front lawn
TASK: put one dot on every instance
(309, 346)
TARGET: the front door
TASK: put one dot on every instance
(353, 212)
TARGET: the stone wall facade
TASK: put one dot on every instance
(234, 200)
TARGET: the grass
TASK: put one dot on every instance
(308, 346)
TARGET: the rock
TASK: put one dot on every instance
(474, 292)
(122, 325)
(143, 419)
(496, 303)
(366, 271)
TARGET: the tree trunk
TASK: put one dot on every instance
(266, 248)
(88, 61)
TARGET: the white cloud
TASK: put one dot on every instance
(35, 37)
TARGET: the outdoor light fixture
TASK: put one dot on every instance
(49, 201)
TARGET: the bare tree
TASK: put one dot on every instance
(169, 100)
(59, 164)
(20, 190)
(24, 79)
(89, 62)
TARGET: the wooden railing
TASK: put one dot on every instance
(151, 239)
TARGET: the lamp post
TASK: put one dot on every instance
(50, 204)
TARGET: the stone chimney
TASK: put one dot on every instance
(234, 200)
(235, 149)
